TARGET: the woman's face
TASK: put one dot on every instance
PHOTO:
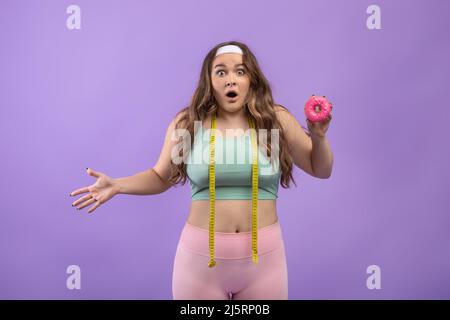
(229, 74)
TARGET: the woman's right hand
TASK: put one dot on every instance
(101, 191)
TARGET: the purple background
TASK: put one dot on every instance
(102, 97)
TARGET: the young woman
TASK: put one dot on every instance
(231, 246)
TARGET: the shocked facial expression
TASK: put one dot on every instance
(230, 81)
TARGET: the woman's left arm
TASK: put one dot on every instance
(311, 153)
(321, 155)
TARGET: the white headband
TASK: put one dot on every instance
(229, 49)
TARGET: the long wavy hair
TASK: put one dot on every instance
(259, 105)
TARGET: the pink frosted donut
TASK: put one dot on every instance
(317, 108)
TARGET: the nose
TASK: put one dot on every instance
(229, 83)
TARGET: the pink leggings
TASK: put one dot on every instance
(234, 276)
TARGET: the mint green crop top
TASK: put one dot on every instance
(233, 169)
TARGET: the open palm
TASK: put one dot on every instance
(99, 192)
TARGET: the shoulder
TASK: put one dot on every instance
(282, 111)
(279, 107)
(181, 118)
(284, 116)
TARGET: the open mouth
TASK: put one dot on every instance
(231, 94)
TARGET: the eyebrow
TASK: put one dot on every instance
(222, 65)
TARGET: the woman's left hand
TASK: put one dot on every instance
(319, 128)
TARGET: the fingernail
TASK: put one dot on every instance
(70, 194)
(87, 168)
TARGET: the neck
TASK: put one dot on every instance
(231, 117)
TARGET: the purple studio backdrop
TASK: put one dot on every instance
(101, 95)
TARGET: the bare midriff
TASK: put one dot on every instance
(232, 216)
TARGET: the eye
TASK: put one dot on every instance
(243, 71)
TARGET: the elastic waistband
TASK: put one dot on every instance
(231, 245)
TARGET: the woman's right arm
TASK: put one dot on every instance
(142, 183)
(156, 179)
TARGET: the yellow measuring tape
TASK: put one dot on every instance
(212, 190)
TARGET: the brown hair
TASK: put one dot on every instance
(259, 105)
